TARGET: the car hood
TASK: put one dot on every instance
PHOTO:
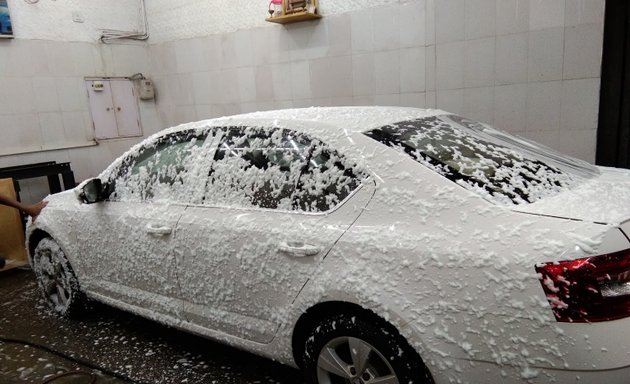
(603, 199)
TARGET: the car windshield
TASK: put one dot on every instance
(500, 167)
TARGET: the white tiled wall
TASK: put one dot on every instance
(531, 67)
(184, 19)
(44, 105)
(538, 60)
(54, 20)
(374, 55)
(528, 66)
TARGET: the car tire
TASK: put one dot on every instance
(56, 279)
(360, 350)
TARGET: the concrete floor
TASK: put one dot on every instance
(36, 345)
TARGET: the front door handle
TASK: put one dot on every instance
(298, 249)
(156, 230)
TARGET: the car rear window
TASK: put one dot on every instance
(500, 167)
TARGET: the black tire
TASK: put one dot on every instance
(388, 355)
(56, 279)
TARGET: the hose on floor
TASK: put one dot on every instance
(73, 359)
(91, 376)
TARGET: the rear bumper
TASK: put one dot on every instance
(483, 372)
(528, 351)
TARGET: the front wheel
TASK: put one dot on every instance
(347, 349)
(56, 279)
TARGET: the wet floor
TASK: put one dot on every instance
(111, 346)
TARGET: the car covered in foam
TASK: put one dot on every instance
(361, 244)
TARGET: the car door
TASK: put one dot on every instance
(275, 203)
(135, 260)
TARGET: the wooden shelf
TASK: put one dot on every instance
(293, 18)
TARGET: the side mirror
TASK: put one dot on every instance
(92, 192)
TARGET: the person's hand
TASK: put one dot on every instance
(35, 209)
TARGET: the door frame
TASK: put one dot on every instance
(613, 133)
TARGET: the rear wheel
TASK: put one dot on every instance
(347, 349)
(56, 279)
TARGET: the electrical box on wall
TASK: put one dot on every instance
(98, 86)
(147, 92)
(114, 107)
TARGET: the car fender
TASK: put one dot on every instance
(336, 283)
(50, 221)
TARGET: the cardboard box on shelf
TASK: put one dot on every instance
(12, 247)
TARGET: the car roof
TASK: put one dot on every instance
(351, 119)
(316, 120)
(347, 119)
(333, 125)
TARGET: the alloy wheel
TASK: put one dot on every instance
(348, 360)
(55, 280)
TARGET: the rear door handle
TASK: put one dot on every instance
(155, 230)
(298, 249)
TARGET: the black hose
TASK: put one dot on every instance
(73, 373)
(71, 358)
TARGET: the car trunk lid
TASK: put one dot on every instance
(602, 199)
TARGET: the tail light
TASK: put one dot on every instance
(591, 289)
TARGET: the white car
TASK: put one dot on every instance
(364, 245)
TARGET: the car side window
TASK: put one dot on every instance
(278, 169)
(159, 171)
(254, 167)
(327, 181)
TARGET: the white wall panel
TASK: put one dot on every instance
(180, 19)
(52, 20)
(126, 108)
(102, 109)
(536, 71)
